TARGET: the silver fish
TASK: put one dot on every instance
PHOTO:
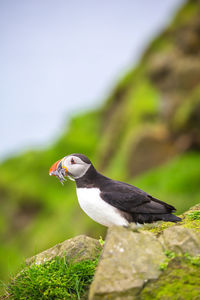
(60, 173)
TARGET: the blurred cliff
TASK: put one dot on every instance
(147, 133)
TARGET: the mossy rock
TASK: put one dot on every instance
(128, 260)
(78, 248)
(61, 272)
(180, 281)
(149, 149)
(55, 279)
(190, 219)
(132, 258)
(181, 240)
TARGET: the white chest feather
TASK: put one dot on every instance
(97, 209)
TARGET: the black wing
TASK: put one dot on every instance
(131, 199)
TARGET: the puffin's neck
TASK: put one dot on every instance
(88, 179)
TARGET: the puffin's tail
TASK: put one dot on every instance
(150, 218)
(170, 218)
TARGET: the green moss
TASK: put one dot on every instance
(138, 108)
(57, 279)
(161, 44)
(180, 281)
(186, 13)
(191, 220)
(194, 215)
(184, 114)
(194, 260)
(101, 241)
(169, 256)
(166, 42)
(158, 228)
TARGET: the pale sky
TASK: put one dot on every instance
(60, 57)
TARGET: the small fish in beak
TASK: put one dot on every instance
(59, 174)
(58, 171)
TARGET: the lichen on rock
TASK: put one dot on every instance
(181, 240)
(129, 259)
(78, 248)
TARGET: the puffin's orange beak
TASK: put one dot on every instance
(54, 167)
(58, 170)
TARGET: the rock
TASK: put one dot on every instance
(149, 149)
(181, 240)
(187, 73)
(160, 69)
(172, 71)
(188, 38)
(128, 261)
(181, 280)
(79, 248)
(193, 208)
(130, 264)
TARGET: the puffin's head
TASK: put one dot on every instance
(74, 166)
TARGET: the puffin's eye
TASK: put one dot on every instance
(72, 161)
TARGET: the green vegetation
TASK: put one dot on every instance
(181, 277)
(194, 215)
(135, 112)
(185, 14)
(169, 256)
(193, 260)
(101, 241)
(56, 279)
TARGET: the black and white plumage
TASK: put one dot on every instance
(110, 202)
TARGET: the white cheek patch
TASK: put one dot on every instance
(80, 170)
(77, 169)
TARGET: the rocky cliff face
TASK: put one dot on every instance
(154, 113)
(162, 262)
(159, 261)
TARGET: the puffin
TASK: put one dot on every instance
(110, 202)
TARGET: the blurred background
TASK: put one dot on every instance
(118, 81)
